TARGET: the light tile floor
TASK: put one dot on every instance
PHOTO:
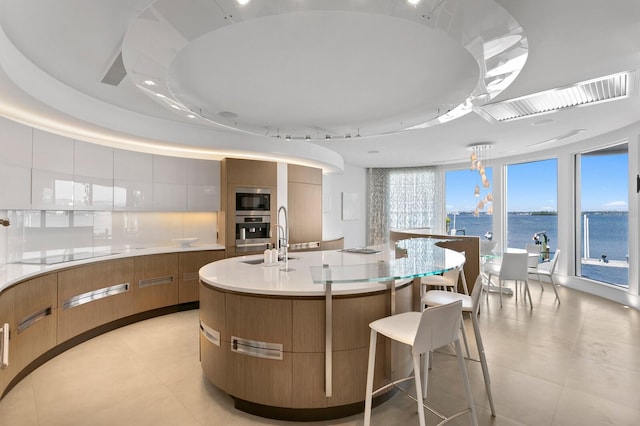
(577, 363)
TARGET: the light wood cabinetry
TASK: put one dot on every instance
(6, 316)
(189, 263)
(238, 173)
(295, 379)
(74, 319)
(61, 309)
(155, 281)
(304, 198)
(35, 314)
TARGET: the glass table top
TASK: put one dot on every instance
(405, 259)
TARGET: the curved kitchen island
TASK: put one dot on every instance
(290, 341)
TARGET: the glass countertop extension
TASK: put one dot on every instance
(405, 259)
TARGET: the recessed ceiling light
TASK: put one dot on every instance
(307, 138)
(149, 83)
(191, 116)
(543, 122)
(413, 2)
(175, 107)
(160, 95)
(243, 2)
(288, 137)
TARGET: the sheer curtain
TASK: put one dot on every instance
(402, 198)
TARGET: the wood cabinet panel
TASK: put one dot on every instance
(212, 357)
(337, 244)
(213, 311)
(305, 212)
(77, 281)
(35, 318)
(251, 172)
(303, 174)
(7, 298)
(156, 281)
(260, 380)
(189, 263)
(259, 318)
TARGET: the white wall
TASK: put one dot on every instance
(353, 182)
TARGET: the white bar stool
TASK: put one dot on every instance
(424, 332)
(470, 304)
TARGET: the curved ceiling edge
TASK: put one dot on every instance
(93, 120)
(157, 36)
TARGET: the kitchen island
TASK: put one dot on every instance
(290, 341)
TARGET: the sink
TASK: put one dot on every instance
(261, 261)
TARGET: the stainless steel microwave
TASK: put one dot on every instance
(252, 201)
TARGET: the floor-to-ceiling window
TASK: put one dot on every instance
(532, 205)
(464, 216)
(604, 215)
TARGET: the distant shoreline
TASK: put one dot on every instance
(546, 213)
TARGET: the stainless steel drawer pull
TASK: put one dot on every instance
(210, 334)
(155, 281)
(91, 296)
(4, 346)
(31, 319)
(256, 348)
(191, 276)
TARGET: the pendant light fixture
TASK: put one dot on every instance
(479, 161)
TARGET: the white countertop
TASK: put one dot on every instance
(234, 274)
(12, 273)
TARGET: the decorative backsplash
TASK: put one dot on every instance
(43, 233)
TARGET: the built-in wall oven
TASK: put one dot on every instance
(253, 219)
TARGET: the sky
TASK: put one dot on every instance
(533, 186)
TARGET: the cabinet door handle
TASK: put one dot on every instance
(4, 346)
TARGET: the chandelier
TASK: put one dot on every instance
(479, 162)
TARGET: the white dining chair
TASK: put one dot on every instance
(534, 257)
(515, 267)
(471, 305)
(540, 271)
(424, 332)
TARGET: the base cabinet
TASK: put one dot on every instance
(7, 298)
(189, 263)
(285, 365)
(35, 314)
(92, 295)
(155, 281)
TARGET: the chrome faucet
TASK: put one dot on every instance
(283, 243)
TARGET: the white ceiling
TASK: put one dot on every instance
(274, 68)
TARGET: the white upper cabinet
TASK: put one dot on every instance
(93, 177)
(169, 183)
(52, 152)
(203, 187)
(132, 181)
(15, 165)
(52, 173)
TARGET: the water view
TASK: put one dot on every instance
(607, 237)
